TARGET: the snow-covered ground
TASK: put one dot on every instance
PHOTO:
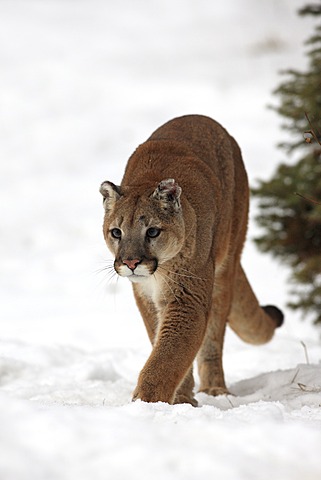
(82, 83)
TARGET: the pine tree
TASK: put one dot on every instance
(291, 224)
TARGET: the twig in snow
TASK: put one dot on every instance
(295, 375)
(307, 388)
(305, 352)
(229, 401)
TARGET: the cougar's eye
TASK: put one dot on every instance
(116, 233)
(153, 232)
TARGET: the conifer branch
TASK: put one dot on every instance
(313, 132)
(307, 198)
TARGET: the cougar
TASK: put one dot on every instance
(176, 227)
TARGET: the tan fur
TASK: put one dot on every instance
(188, 182)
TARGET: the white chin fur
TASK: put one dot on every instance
(137, 279)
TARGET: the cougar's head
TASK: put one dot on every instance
(143, 227)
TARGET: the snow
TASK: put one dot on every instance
(81, 85)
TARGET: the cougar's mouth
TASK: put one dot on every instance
(138, 271)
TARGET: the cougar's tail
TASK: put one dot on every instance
(251, 322)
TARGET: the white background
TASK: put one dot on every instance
(82, 83)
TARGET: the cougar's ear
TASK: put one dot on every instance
(111, 194)
(168, 193)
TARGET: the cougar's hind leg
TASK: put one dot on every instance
(251, 322)
(209, 359)
(210, 366)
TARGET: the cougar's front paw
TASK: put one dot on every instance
(148, 392)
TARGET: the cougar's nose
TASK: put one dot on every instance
(132, 264)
